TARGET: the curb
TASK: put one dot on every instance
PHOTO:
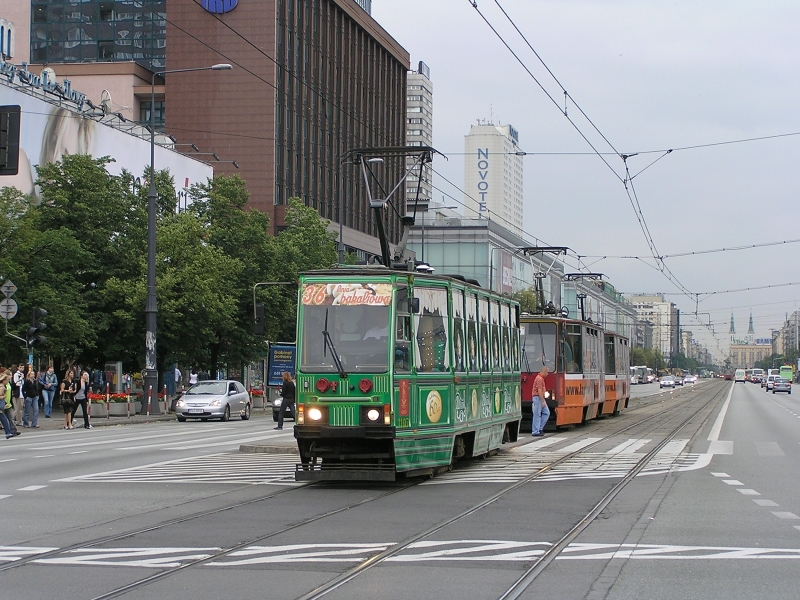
(263, 449)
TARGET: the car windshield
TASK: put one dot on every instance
(668, 378)
(208, 387)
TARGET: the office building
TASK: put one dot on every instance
(419, 132)
(664, 318)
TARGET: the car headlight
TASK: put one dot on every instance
(277, 402)
(180, 403)
(314, 414)
(216, 402)
(373, 414)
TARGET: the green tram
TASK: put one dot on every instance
(402, 373)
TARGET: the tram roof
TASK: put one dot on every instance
(382, 271)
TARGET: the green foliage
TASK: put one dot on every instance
(528, 299)
(81, 254)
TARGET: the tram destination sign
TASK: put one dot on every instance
(347, 294)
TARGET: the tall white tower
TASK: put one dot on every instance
(493, 174)
(419, 132)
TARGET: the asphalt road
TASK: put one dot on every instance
(174, 511)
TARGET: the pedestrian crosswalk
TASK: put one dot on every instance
(611, 459)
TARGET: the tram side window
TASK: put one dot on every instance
(483, 305)
(472, 333)
(573, 352)
(495, 314)
(505, 318)
(515, 342)
(459, 364)
(611, 360)
(432, 353)
(402, 344)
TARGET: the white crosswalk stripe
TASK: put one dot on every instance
(228, 468)
(509, 467)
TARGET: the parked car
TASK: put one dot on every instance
(214, 400)
(771, 381)
(666, 381)
(782, 384)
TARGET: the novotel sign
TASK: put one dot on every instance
(219, 6)
(41, 82)
(483, 178)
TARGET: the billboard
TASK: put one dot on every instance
(47, 132)
(281, 358)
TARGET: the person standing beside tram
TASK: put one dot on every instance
(288, 395)
(540, 410)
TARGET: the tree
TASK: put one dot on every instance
(528, 299)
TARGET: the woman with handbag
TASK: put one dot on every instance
(67, 389)
(82, 389)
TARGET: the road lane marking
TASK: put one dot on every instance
(31, 488)
(539, 444)
(732, 482)
(44, 456)
(425, 552)
(716, 446)
(673, 447)
(8, 460)
(116, 440)
(579, 445)
(785, 515)
(79, 452)
(629, 447)
(2, 496)
(720, 475)
(748, 492)
(762, 502)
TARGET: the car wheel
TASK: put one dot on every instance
(226, 416)
(181, 419)
(246, 413)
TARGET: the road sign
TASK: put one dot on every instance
(8, 288)
(8, 308)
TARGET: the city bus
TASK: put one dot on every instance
(787, 372)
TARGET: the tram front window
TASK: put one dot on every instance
(359, 335)
(538, 347)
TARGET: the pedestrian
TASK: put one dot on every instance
(6, 405)
(178, 377)
(67, 395)
(193, 376)
(82, 390)
(30, 416)
(19, 398)
(540, 410)
(49, 384)
(288, 394)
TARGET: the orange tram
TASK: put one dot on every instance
(589, 374)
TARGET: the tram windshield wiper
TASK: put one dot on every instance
(329, 344)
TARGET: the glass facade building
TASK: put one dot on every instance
(99, 31)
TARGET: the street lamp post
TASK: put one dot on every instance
(150, 375)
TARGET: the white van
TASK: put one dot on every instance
(738, 376)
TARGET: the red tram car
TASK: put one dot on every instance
(589, 375)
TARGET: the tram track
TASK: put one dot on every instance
(530, 574)
(351, 574)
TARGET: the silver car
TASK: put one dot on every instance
(214, 400)
(782, 385)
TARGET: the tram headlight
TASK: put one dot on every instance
(314, 414)
(373, 414)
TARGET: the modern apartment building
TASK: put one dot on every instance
(419, 132)
(664, 317)
(493, 172)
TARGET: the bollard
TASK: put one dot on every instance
(166, 405)
(108, 400)
(149, 398)
(128, 403)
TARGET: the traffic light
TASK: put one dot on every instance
(34, 337)
(258, 320)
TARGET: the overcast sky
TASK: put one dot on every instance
(650, 75)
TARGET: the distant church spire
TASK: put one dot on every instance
(750, 327)
(733, 327)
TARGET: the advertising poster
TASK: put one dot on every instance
(48, 132)
(281, 358)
